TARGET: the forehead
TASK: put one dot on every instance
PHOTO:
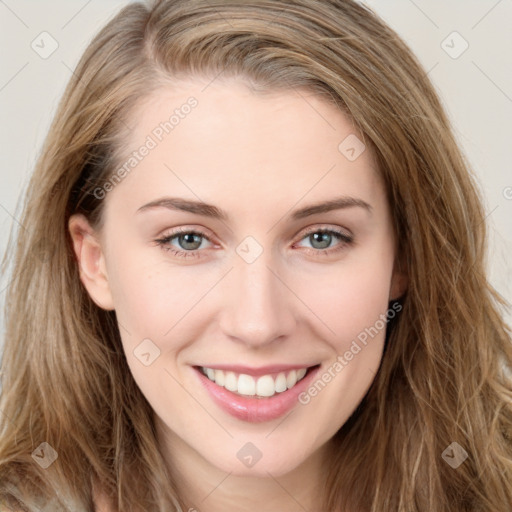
(222, 140)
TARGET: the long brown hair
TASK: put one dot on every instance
(443, 378)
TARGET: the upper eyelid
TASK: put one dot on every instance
(324, 227)
(301, 234)
(205, 232)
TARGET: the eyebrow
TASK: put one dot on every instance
(208, 210)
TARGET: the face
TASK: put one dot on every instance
(251, 242)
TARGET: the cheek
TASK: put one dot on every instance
(150, 295)
(352, 301)
(351, 296)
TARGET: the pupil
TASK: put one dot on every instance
(189, 239)
(318, 237)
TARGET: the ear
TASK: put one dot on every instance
(91, 261)
(399, 280)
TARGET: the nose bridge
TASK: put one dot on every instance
(258, 306)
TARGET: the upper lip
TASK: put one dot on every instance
(257, 371)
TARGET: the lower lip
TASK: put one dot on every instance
(253, 409)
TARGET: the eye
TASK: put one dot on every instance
(321, 240)
(189, 242)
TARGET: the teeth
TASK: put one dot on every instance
(281, 383)
(246, 385)
(264, 386)
(291, 380)
(219, 378)
(231, 382)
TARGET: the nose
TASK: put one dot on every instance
(258, 306)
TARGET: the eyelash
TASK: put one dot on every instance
(164, 241)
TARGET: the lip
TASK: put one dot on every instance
(252, 409)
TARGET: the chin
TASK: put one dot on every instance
(273, 460)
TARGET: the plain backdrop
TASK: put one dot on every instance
(465, 47)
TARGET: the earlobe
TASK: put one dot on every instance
(399, 281)
(90, 260)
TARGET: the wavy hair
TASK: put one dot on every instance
(445, 374)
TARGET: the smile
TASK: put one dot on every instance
(247, 385)
(256, 395)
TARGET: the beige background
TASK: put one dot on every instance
(475, 87)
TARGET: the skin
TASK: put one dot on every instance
(259, 158)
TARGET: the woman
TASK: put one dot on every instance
(328, 341)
